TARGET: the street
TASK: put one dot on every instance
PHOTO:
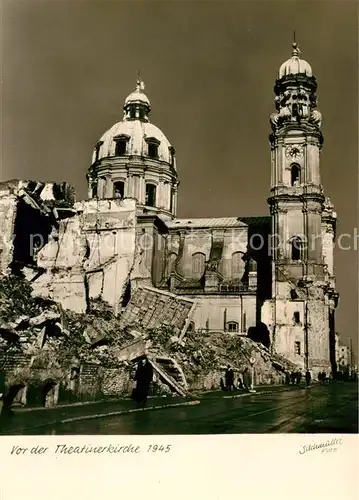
(318, 409)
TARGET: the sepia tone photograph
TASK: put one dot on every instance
(178, 218)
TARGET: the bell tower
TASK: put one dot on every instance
(297, 197)
(302, 279)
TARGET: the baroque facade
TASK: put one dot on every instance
(270, 277)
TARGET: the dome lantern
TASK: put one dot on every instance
(137, 105)
(295, 65)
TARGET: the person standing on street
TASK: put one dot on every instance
(229, 378)
(240, 381)
(308, 377)
(143, 378)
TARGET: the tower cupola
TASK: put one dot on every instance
(137, 105)
(295, 90)
(295, 65)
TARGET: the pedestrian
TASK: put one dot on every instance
(240, 381)
(229, 378)
(143, 378)
(308, 377)
(246, 379)
(293, 377)
(223, 387)
(299, 377)
(287, 378)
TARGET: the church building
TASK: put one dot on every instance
(269, 276)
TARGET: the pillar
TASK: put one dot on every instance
(108, 187)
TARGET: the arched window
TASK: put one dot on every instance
(171, 263)
(152, 147)
(232, 326)
(151, 195)
(172, 153)
(152, 150)
(295, 174)
(120, 147)
(198, 264)
(237, 265)
(118, 189)
(121, 144)
(97, 150)
(296, 248)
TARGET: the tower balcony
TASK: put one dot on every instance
(297, 191)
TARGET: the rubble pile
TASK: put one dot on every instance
(203, 357)
(39, 340)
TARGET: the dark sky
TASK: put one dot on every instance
(209, 70)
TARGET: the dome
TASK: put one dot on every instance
(137, 132)
(295, 65)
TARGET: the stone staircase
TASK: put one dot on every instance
(166, 368)
(171, 373)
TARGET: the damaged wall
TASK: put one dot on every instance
(28, 211)
(110, 229)
(290, 318)
(90, 256)
(62, 260)
(8, 206)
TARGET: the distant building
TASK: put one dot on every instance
(342, 355)
(270, 276)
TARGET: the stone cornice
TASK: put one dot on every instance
(303, 129)
(295, 80)
(132, 161)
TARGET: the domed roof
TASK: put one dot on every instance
(295, 65)
(137, 132)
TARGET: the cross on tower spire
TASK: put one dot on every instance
(295, 50)
(140, 86)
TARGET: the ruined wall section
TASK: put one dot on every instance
(90, 256)
(62, 261)
(110, 230)
(8, 206)
(301, 324)
(318, 329)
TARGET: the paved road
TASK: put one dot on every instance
(319, 409)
